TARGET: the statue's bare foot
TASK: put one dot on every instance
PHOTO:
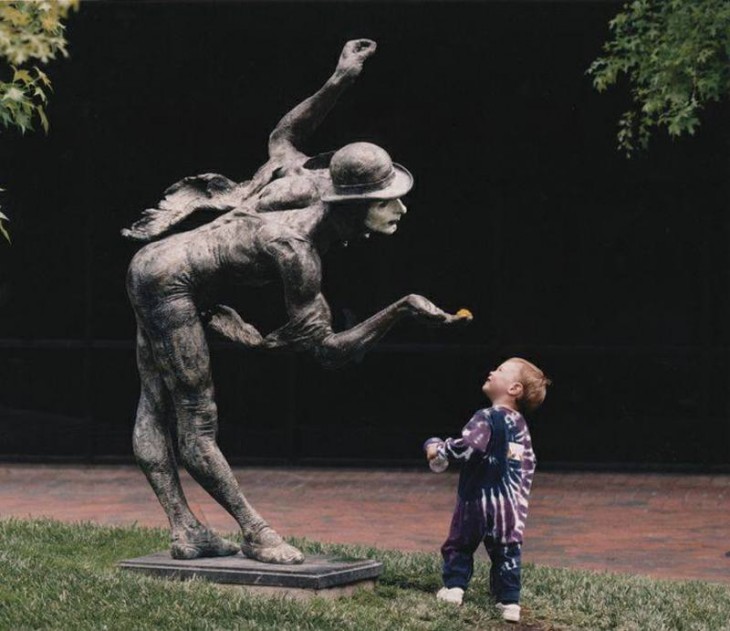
(267, 546)
(201, 542)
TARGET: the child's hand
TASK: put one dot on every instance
(437, 462)
(431, 447)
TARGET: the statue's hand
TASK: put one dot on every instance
(226, 322)
(353, 55)
(425, 310)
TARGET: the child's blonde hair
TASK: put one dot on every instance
(534, 385)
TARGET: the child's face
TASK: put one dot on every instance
(503, 380)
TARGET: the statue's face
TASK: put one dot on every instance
(383, 215)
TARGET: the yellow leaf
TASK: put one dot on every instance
(49, 22)
(22, 75)
(15, 17)
(42, 76)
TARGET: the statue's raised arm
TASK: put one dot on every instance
(209, 195)
(297, 125)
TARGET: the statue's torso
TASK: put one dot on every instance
(233, 249)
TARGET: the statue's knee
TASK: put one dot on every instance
(197, 429)
(199, 413)
(194, 449)
(140, 438)
(187, 449)
(148, 452)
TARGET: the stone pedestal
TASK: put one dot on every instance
(318, 576)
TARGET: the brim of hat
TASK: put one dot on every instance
(401, 184)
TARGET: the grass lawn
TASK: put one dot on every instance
(63, 576)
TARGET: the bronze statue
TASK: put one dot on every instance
(278, 224)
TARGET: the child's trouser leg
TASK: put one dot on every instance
(465, 535)
(505, 573)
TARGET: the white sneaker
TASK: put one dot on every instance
(454, 595)
(510, 613)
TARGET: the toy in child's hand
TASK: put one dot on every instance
(465, 314)
(431, 447)
(437, 462)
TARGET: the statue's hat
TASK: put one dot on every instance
(362, 171)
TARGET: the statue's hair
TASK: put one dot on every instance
(353, 211)
(534, 385)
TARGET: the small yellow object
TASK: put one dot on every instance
(465, 313)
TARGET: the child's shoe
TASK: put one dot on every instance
(510, 612)
(454, 595)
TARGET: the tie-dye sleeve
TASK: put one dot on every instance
(474, 438)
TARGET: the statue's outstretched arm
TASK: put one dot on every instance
(310, 325)
(339, 348)
(300, 123)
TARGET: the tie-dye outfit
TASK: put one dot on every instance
(494, 485)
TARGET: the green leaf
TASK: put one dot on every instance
(675, 55)
(4, 232)
(44, 120)
(41, 94)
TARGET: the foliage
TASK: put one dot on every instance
(63, 576)
(29, 31)
(676, 55)
(3, 229)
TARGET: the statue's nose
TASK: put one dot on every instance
(402, 208)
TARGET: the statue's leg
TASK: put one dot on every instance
(155, 455)
(181, 350)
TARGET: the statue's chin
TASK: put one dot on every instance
(386, 229)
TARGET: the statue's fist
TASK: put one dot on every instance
(227, 323)
(353, 55)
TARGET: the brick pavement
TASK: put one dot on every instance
(670, 526)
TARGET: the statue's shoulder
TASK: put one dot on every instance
(297, 185)
(319, 162)
(274, 233)
(288, 193)
(282, 241)
(198, 199)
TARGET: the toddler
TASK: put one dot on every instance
(494, 485)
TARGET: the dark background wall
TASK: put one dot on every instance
(610, 274)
